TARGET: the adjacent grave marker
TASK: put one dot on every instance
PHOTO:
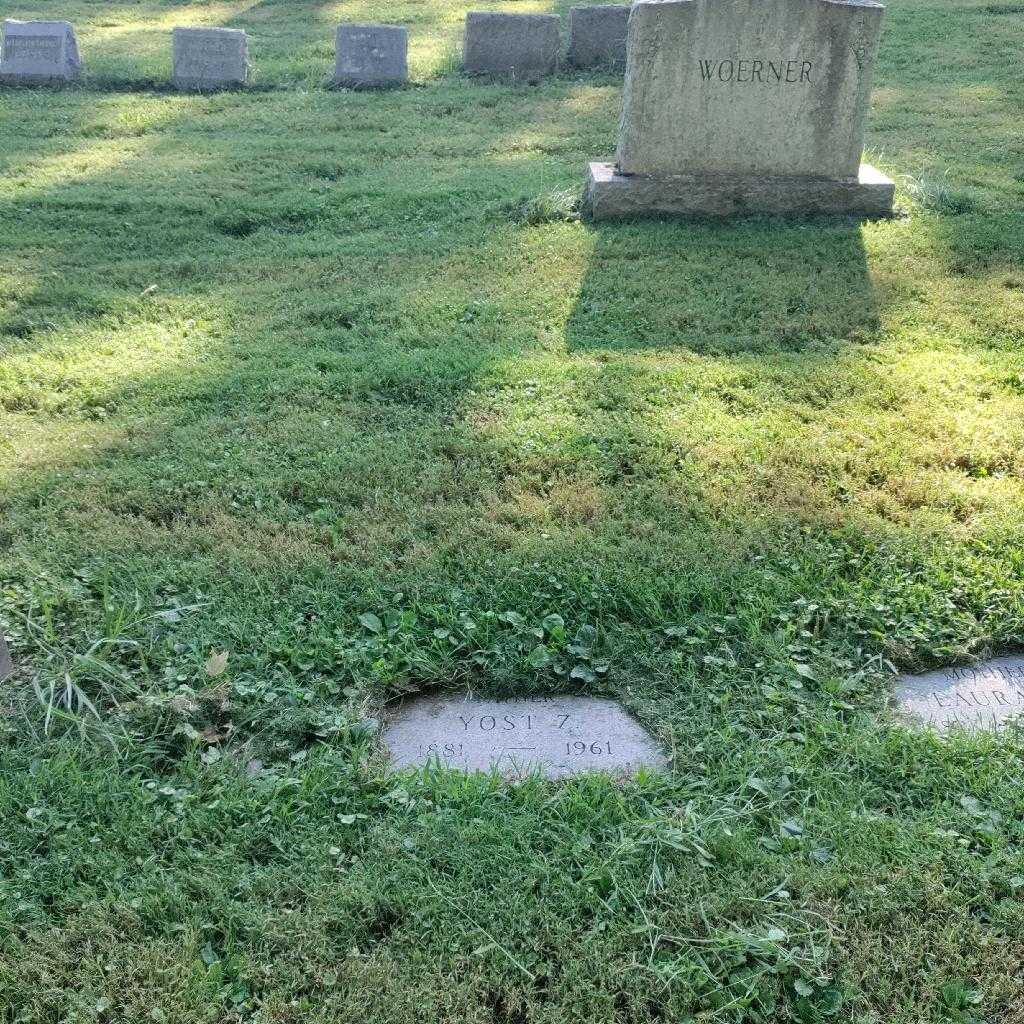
(735, 106)
(6, 665)
(38, 53)
(519, 46)
(558, 736)
(597, 35)
(371, 56)
(210, 58)
(983, 697)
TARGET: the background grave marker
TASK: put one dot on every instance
(597, 35)
(559, 736)
(210, 58)
(38, 53)
(519, 46)
(371, 55)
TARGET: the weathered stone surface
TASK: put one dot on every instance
(6, 665)
(748, 87)
(371, 56)
(597, 36)
(210, 58)
(611, 196)
(38, 53)
(517, 46)
(559, 736)
(983, 697)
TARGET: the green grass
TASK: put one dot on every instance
(270, 360)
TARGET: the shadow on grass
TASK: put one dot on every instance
(757, 285)
(353, 367)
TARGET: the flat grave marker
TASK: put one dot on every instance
(523, 47)
(38, 53)
(6, 665)
(742, 106)
(557, 736)
(978, 698)
(368, 56)
(209, 58)
(597, 36)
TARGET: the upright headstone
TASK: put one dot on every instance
(523, 47)
(38, 53)
(6, 665)
(371, 56)
(597, 36)
(735, 106)
(210, 58)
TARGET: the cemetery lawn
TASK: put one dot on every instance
(309, 400)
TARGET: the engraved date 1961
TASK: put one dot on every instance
(579, 748)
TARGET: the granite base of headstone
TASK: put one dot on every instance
(371, 56)
(741, 107)
(974, 698)
(556, 737)
(6, 665)
(597, 36)
(210, 58)
(38, 53)
(521, 47)
(612, 196)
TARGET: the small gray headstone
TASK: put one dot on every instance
(523, 47)
(976, 698)
(597, 36)
(558, 736)
(371, 56)
(743, 106)
(6, 665)
(38, 53)
(210, 58)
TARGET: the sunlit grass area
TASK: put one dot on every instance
(274, 359)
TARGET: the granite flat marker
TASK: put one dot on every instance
(556, 736)
(974, 698)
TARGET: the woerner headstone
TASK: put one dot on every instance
(557, 736)
(971, 698)
(735, 106)
(38, 53)
(209, 58)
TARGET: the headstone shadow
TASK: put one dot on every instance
(756, 286)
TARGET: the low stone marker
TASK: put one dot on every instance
(523, 47)
(558, 736)
(38, 53)
(983, 697)
(597, 36)
(371, 56)
(6, 665)
(210, 58)
(742, 106)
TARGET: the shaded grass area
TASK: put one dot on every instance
(273, 361)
